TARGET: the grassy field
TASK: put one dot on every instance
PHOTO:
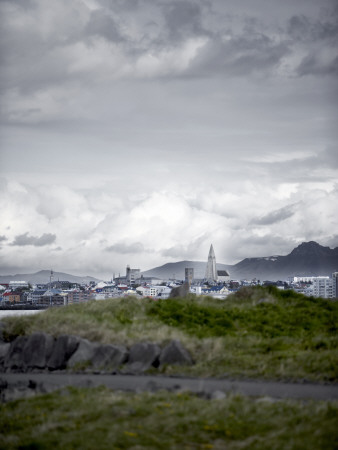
(257, 332)
(102, 419)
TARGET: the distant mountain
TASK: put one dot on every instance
(43, 277)
(308, 259)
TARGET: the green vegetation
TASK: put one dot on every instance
(256, 332)
(98, 418)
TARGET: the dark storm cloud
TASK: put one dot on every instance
(241, 55)
(3, 238)
(122, 248)
(183, 19)
(102, 24)
(320, 39)
(276, 216)
(25, 239)
(312, 65)
(301, 28)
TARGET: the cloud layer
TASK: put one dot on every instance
(138, 132)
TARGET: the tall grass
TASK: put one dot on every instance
(256, 332)
(101, 419)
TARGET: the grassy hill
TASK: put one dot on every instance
(257, 332)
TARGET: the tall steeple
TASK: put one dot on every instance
(211, 272)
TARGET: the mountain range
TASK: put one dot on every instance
(43, 277)
(308, 259)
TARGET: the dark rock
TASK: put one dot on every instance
(110, 356)
(142, 356)
(37, 350)
(63, 349)
(83, 354)
(14, 358)
(2, 327)
(175, 353)
(180, 291)
(4, 348)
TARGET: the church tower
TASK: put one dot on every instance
(211, 272)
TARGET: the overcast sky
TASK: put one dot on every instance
(139, 131)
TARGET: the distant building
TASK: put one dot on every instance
(223, 276)
(189, 275)
(323, 287)
(210, 272)
(78, 296)
(132, 275)
(18, 284)
(335, 285)
(12, 297)
(35, 295)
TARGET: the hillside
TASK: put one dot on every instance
(43, 277)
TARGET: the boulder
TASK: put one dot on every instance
(4, 348)
(64, 348)
(142, 356)
(180, 291)
(109, 356)
(174, 353)
(37, 350)
(2, 327)
(14, 357)
(83, 354)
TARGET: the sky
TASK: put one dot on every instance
(139, 132)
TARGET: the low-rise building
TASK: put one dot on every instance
(12, 297)
(18, 284)
(78, 296)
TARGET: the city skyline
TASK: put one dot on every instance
(138, 133)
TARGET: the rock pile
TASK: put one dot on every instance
(42, 352)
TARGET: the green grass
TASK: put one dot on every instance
(99, 418)
(257, 332)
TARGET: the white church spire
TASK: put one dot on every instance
(211, 272)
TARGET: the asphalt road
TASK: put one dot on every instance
(206, 386)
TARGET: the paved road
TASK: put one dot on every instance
(197, 385)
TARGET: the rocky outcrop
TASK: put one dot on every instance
(42, 352)
(64, 348)
(180, 291)
(175, 354)
(14, 357)
(142, 357)
(109, 356)
(84, 353)
(37, 350)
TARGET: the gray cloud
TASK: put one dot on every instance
(276, 216)
(312, 65)
(240, 55)
(180, 118)
(301, 28)
(120, 247)
(183, 19)
(3, 238)
(102, 24)
(25, 239)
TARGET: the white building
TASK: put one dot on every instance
(323, 287)
(210, 272)
(335, 284)
(18, 284)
